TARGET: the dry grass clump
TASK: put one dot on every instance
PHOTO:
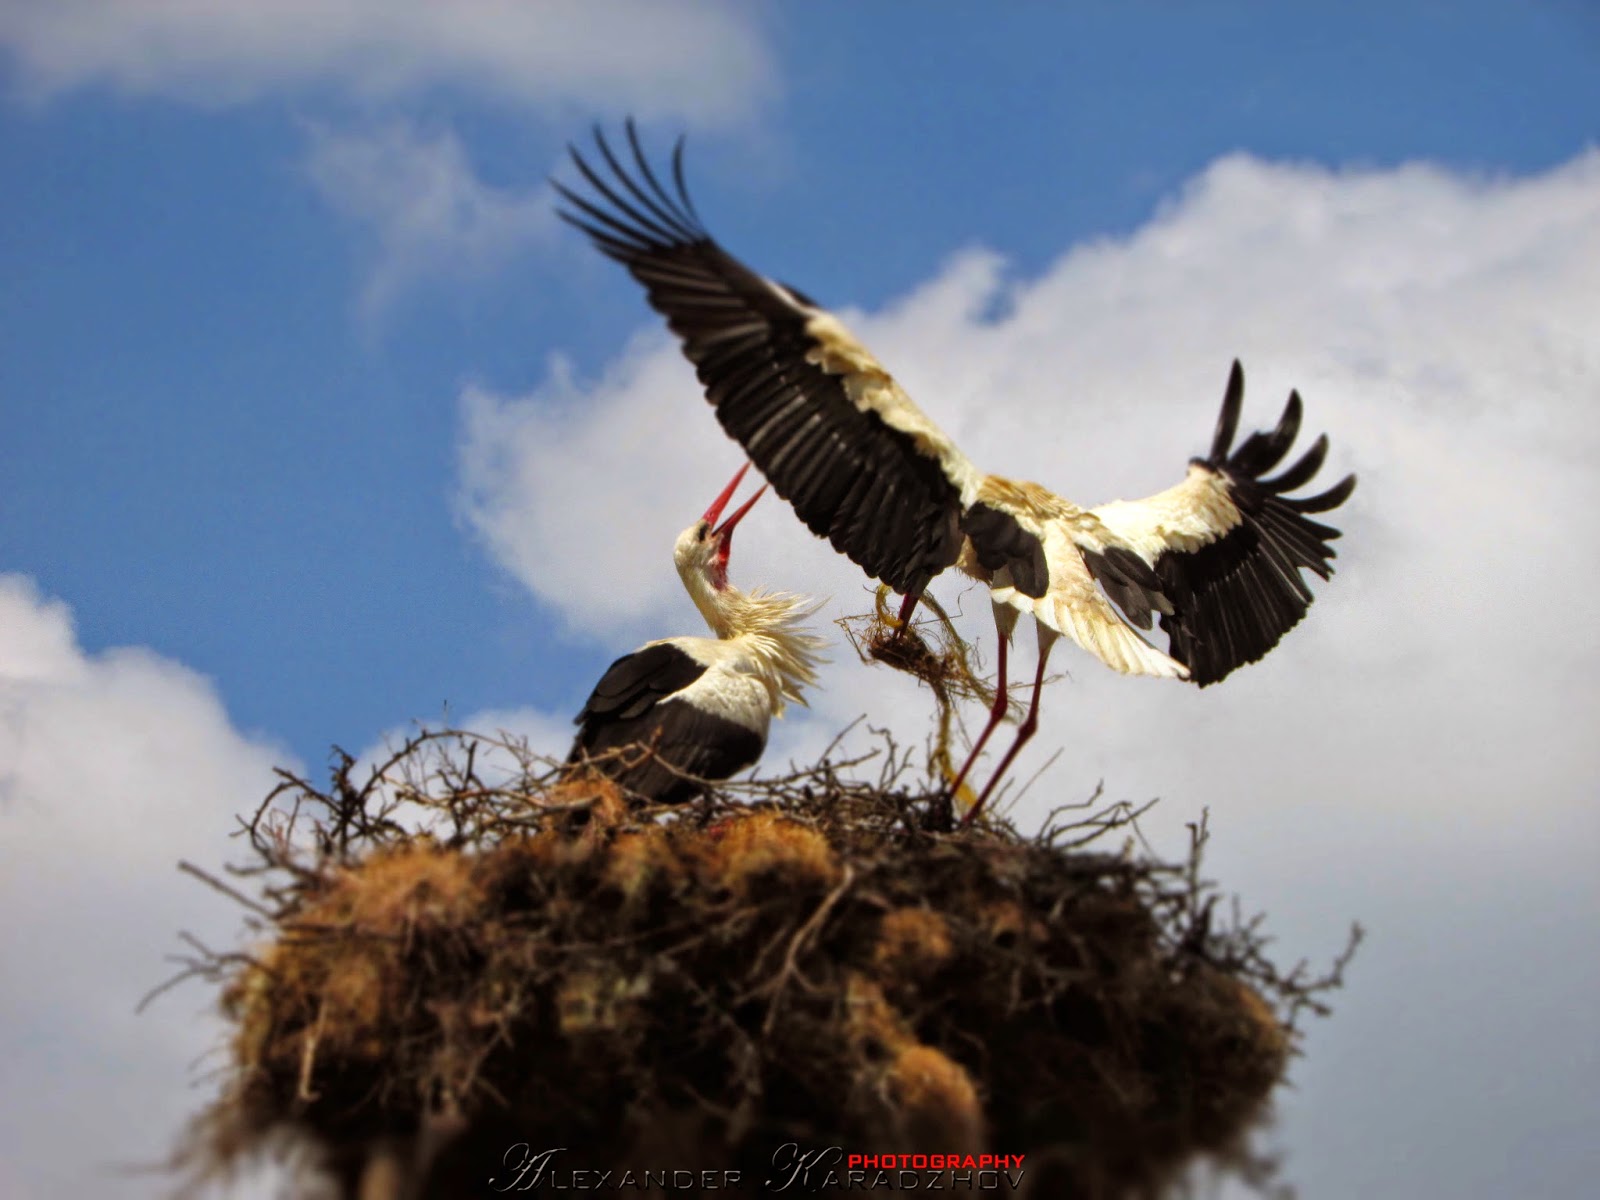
(936, 654)
(799, 960)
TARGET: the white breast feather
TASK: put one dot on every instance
(725, 690)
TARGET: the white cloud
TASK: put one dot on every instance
(701, 60)
(1415, 755)
(113, 767)
(542, 484)
(413, 191)
(425, 209)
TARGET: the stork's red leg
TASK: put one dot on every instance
(907, 606)
(1029, 726)
(996, 715)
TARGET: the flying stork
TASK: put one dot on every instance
(694, 706)
(1217, 557)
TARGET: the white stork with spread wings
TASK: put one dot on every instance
(684, 709)
(1217, 557)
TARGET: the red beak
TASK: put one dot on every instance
(725, 530)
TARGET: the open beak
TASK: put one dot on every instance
(725, 530)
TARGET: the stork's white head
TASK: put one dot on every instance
(774, 645)
(701, 552)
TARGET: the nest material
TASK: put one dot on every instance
(933, 652)
(813, 962)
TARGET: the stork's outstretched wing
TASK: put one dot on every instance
(1227, 545)
(817, 414)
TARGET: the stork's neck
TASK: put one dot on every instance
(710, 600)
(769, 627)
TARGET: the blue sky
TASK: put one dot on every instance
(180, 320)
(307, 400)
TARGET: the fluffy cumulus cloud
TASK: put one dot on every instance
(1414, 754)
(703, 59)
(423, 207)
(113, 767)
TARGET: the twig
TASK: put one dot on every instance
(235, 894)
(813, 923)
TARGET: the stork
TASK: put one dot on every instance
(1218, 557)
(684, 709)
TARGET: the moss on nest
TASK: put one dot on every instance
(803, 960)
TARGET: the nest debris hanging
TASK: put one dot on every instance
(804, 959)
(945, 661)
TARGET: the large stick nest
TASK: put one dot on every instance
(451, 967)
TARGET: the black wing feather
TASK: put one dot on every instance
(1228, 418)
(1303, 470)
(651, 757)
(1000, 541)
(1233, 599)
(748, 344)
(637, 682)
(1129, 581)
(637, 731)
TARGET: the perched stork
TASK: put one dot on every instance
(696, 706)
(1218, 557)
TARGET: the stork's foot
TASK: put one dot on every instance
(971, 813)
(902, 621)
(962, 804)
